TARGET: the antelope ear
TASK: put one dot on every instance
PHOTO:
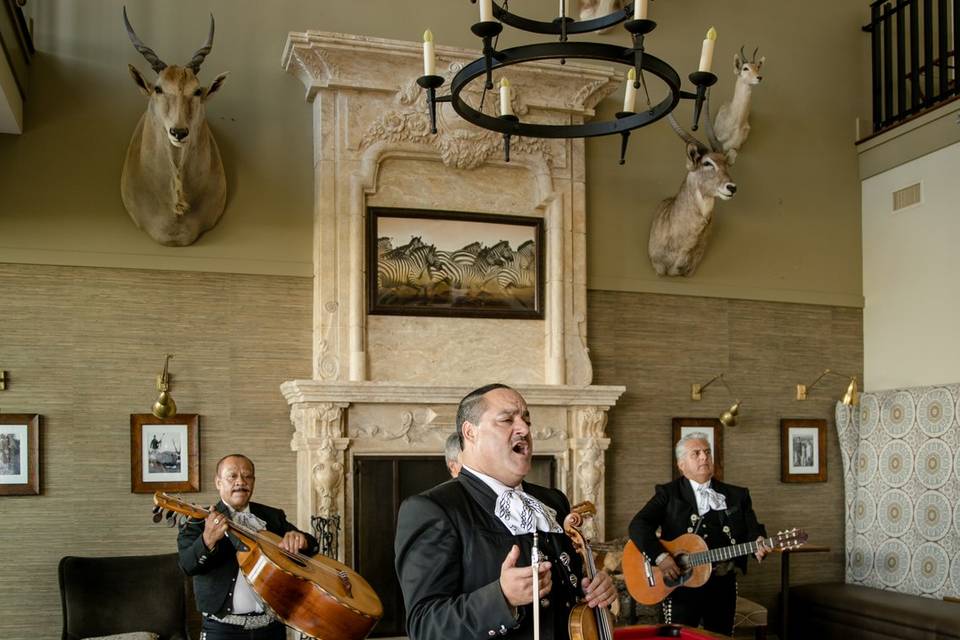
(694, 153)
(138, 78)
(215, 85)
(760, 64)
(737, 63)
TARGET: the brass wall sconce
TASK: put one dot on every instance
(3, 379)
(729, 417)
(850, 397)
(164, 407)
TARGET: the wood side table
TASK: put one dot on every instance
(785, 579)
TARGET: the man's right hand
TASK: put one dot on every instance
(669, 568)
(214, 528)
(517, 582)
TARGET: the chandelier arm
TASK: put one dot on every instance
(577, 50)
(557, 28)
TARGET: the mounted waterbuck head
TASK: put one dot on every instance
(732, 124)
(681, 224)
(173, 185)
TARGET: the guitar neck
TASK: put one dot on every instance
(728, 553)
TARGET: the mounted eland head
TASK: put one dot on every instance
(173, 185)
(681, 224)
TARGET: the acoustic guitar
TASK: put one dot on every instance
(316, 596)
(648, 585)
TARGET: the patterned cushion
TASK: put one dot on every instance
(749, 614)
(136, 635)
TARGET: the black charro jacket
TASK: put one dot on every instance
(215, 572)
(449, 550)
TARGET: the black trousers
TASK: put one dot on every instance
(713, 605)
(213, 630)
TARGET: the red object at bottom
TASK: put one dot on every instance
(662, 631)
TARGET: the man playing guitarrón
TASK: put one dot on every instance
(721, 514)
(231, 608)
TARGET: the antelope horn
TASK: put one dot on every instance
(715, 143)
(743, 56)
(156, 63)
(202, 52)
(680, 131)
(753, 58)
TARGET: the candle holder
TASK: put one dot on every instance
(635, 56)
(702, 80)
(512, 119)
(487, 31)
(431, 84)
(624, 135)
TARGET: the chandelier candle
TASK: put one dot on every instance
(506, 109)
(639, 11)
(429, 62)
(706, 53)
(630, 95)
(486, 10)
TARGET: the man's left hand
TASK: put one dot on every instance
(761, 550)
(293, 541)
(600, 591)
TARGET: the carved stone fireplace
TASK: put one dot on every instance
(389, 385)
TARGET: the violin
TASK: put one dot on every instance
(586, 623)
(317, 596)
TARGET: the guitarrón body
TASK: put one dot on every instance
(692, 555)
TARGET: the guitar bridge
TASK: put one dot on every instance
(345, 579)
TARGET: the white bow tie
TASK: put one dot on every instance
(522, 513)
(708, 499)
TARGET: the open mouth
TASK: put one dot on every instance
(725, 195)
(521, 447)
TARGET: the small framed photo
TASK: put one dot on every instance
(454, 264)
(803, 450)
(19, 454)
(712, 428)
(164, 453)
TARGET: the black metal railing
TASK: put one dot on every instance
(915, 57)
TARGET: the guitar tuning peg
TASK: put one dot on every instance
(157, 509)
(169, 514)
(157, 516)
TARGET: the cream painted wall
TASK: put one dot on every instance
(910, 266)
(792, 233)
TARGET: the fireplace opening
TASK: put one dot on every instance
(381, 483)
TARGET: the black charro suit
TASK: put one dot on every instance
(449, 550)
(215, 572)
(673, 508)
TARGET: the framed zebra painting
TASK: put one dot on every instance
(446, 263)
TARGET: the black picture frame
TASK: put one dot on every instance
(454, 264)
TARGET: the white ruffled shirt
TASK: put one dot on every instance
(519, 511)
(245, 599)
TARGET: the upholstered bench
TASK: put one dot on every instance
(751, 615)
(853, 612)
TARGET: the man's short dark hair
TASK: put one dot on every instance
(235, 455)
(473, 405)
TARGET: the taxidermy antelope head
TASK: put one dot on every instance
(731, 124)
(173, 185)
(681, 224)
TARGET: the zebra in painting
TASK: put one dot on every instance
(525, 255)
(468, 254)
(499, 254)
(384, 245)
(404, 250)
(415, 270)
(462, 275)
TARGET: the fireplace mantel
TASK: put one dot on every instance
(389, 385)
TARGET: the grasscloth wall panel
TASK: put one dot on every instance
(658, 345)
(82, 347)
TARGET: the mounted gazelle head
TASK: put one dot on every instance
(173, 184)
(176, 98)
(707, 169)
(681, 224)
(748, 71)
